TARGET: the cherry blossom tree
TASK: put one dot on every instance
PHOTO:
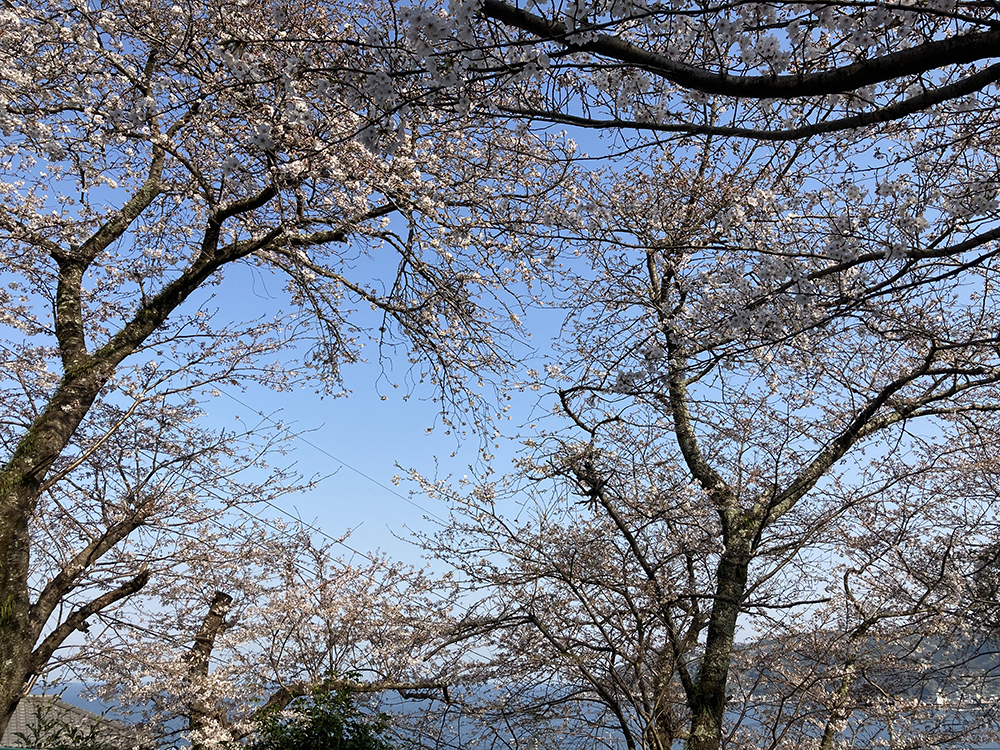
(790, 266)
(148, 150)
(226, 644)
(779, 374)
(884, 97)
(784, 262)
(773, 71)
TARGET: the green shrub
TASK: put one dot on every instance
(325, 720)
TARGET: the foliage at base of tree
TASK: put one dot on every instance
(325, 720)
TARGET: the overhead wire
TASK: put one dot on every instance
(299, 437)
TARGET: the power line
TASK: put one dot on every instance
(325, 452)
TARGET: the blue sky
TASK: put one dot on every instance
(355, 441)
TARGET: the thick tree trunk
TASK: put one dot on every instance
(708, 704)
(200, 715)
(22, 622)
(837, 713)
(20, 483)
(14, 602)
